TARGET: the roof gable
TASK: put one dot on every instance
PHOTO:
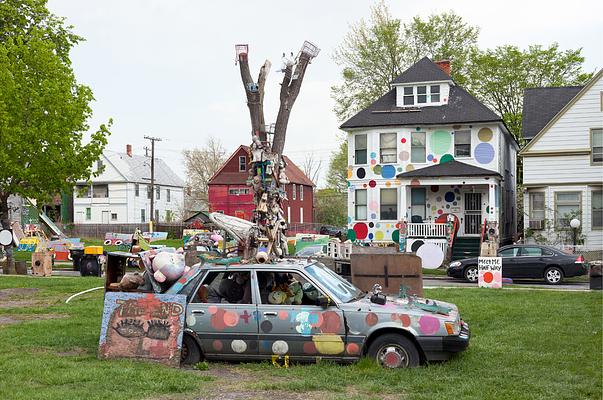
(137, 168)
(452, 168)
(423, 70)
(540, 105)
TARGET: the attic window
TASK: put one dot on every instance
(421, 94)
(409, 96)
(435, 93)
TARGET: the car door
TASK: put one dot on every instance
(302, 331)
(509, 260)
(223, 320)
(532, 263)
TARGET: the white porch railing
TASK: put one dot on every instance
(426, 230)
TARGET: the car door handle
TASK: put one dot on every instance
(270, 314)
(198, 312)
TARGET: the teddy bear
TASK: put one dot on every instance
(168, 266)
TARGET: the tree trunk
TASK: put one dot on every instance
(9, 266)
(255, 96)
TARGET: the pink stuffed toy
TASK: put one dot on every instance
(168, 266)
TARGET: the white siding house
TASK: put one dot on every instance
(563, 163)
(425, 150)
(121, 193)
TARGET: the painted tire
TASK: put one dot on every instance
(118, 242)
(107, 242)
(553, 275)
(394, 351)
(471, 273)
(190, 354)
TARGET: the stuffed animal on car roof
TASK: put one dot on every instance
(168, 266)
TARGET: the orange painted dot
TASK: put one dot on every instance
(212, 309)
(231, 318)
(352, 348)
(488, 277)
(283, 315)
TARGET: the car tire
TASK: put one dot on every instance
(553, 275)
(471, 273)
(394, 351)
(190, 354)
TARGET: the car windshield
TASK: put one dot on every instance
(341, 288)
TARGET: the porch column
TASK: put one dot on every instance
(492, 202)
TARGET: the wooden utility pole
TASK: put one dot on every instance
(152, 216)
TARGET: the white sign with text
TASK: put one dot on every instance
(489, 272)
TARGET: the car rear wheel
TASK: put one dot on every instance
(553, 276)
(394, 351)
(471, 273)
(190, 354)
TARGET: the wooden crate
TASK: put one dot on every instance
(388, 268)
(41, 263)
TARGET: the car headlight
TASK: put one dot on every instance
(455, 264)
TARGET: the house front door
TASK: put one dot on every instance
(473, 213)
(105, 217)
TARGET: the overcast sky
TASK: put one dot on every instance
(166, 68)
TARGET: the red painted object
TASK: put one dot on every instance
(229, 193)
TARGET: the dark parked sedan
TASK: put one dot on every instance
(526, 261)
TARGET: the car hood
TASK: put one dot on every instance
(408, 304)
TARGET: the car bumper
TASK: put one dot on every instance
(443, 347)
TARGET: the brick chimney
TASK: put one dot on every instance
(444, 65)
(129, 150)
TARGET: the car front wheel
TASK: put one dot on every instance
(190, 354)
(394, 351)
(553, 276)
(471, 273)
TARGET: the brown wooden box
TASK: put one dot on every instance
(389, 269)
(41, 263)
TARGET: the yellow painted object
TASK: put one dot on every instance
(93, 250)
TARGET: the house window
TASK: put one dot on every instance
(388, 148)
(234, 192)
(88, 213)
(389, 204)
(100, 191)
(435, 93)
(417, 147)
(462, 143)
(361, 202)
(596, 143)
(360, 149)
(537, 210)
(567, 207)
(83, 191)
(417, 205)
(242, 163)
(113, 216)
(157, 193)
(421, 94)
(301, 192)
(143, 216)
(99, 165)
(597, 209)
(409, 96)
(136, 189)
(168, 216)
(168, 195)
(294, 191)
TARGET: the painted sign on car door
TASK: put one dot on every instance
(222, 314)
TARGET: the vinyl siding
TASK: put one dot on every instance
(560, 169)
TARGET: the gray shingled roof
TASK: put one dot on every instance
(540, 105)
(462, 108)
(138, 169)
(451, 168)
(423, 70)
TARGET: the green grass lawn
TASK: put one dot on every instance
(525, 345)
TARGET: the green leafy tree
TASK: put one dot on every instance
(331, 207)
(337, 174)
(375, 52)
(43, 110)
(499, 76)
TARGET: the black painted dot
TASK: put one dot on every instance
(266, 326)
(360, 173)
(371, 224)
(253, 345)
(416, 244)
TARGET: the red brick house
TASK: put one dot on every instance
(229, 193)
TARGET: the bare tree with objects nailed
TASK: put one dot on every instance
(267, 172)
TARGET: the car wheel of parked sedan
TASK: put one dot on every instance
(394, 351)
(553, 276)
(190, 354)
(471, 273)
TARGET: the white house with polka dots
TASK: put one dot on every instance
(424, 152)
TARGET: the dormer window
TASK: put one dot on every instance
(409, 96)
(421, 94)
(435, 93)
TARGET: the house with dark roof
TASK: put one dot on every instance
(563, 162)
(230, 194)
(423, 151)
(122, 192)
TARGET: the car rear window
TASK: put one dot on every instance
(531, 251)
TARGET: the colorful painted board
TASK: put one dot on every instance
(489, 272)
(154, 236)
(116, 239)
(402, 236)
(143, 326)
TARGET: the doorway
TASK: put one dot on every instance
(473, 213)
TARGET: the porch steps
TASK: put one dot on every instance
(465, 247)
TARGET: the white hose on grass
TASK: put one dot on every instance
(82, 292)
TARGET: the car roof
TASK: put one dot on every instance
(532, 245)
(289, 263)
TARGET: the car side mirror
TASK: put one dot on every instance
(323, 301)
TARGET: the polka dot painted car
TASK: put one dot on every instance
(256, 311)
